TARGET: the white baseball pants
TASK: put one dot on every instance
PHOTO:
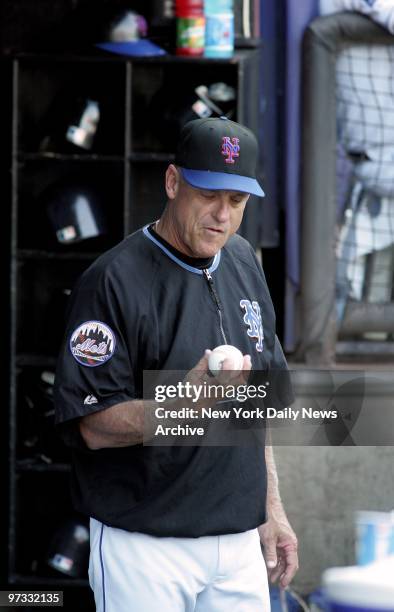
(135, 572)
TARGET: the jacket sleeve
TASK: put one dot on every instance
(94, 369)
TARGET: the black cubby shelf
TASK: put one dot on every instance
(34, 360)
(62, 157)
(28, 254)
(49, 581)
(106, 58)
(150, 156)
(23, 466)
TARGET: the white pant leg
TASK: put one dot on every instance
(135, 572)
(241, 582)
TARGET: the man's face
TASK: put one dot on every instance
(201, 221)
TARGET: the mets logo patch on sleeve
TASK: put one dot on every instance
(92, 343)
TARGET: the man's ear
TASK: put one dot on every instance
(172, 181)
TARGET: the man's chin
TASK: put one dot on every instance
(209, 249)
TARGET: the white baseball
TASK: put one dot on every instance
(220, 353)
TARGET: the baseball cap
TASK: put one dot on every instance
(216, 153)
(125, 35)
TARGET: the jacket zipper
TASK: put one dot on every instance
(216, 300)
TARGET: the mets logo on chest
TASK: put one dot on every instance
(230, 149)
(252, 318)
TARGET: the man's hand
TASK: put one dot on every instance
(276, 535)
(200, 374)
(229, 376)
(280, 548)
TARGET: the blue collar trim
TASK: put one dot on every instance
(181, 263)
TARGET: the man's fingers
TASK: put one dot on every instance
(228, 375)
(203, 363)
(285, 569)
(288, 575)
(199, 372)
(290, 558)
(271, 558)
(247, 365)
(274, 573)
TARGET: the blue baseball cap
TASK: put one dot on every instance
(219, 154)
(125, 36)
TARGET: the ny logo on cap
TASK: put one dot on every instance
(230, 149)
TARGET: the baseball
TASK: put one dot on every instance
(220, 353)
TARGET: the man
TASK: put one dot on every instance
(175, 528)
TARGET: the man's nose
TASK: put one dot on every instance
(222, 210)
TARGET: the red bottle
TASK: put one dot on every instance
(190, 27)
